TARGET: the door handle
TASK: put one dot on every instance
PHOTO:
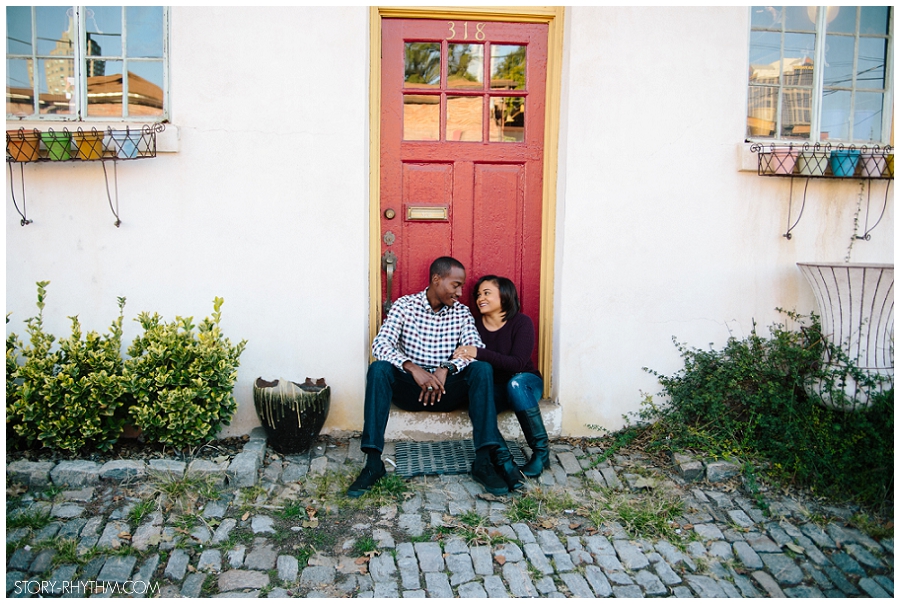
(388, 264)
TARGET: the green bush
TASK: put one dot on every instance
(749, 400)
(68, 398)
(182, 380)
(12, 386)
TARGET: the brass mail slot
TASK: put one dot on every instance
(427, 213)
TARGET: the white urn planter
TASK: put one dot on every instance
(856, 303)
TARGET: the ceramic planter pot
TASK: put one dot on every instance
(89, 144)
(292, 414)
(873, 164)
(844, 161)
(127, 144)
(58, 144)
(812, 163)
(781, 161)
(22, 145)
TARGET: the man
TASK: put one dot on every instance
(414, 369)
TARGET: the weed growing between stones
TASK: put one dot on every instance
(292, 510)
(650, 514)
(249, 497)
(33, 519)
(523, 509)
(876, 530)
(141, 510)
(183, 494)
(364, 546)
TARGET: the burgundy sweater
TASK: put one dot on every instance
(509, 348)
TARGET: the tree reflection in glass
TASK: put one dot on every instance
(465, 65)
(423, 64)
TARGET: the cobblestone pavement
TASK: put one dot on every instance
(71, 531)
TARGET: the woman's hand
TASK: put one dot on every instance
(468, 353)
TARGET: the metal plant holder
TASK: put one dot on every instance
(110, 145)
(856, 302)
(826, 161)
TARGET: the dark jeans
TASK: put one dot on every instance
(522, 392)
(385, 383)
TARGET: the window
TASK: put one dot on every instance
(821, 74)
(82, 63)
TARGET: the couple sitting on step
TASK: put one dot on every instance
(432, 355)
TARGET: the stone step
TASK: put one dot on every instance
(455, 425)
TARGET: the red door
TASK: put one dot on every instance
(462, 129)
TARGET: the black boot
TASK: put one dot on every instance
(536, 436)
(484, 473)
(506, 467)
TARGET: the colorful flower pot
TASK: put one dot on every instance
(58, 144)
(844, 161)
(126, 144)
(22, 145)
(812, 163)
(89, 144)
(781, 161)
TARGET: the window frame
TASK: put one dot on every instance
(819, 88)
(80, 59)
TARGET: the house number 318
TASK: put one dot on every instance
(479, 31)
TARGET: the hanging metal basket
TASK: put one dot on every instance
(292, 414)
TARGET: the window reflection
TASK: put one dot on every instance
(767, 71)
(507, 119)
(870, 66)
(421, 117)
(422, 64)
(41, 51)
(874, 20)
(867, 116)
(464, 118)
(465, 66)
(149, 21)
(507, 67)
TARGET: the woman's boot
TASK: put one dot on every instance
(536, 436)
(506, 467)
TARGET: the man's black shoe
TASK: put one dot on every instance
(366, 479)
(484, 474)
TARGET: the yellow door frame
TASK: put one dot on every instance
(553, 16)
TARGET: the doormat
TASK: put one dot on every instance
(443, 457)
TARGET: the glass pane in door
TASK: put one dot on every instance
(465, 66)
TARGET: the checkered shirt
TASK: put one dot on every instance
(414, 332)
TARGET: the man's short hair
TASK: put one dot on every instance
(509, 297)
(443, 265)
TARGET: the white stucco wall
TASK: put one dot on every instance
(660, 234)
(266, 203)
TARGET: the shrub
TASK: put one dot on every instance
(71, 397)
(12, 386)
(182, 380)
(749, 399)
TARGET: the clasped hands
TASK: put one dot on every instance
(432, 384)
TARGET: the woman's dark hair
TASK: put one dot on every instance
(509, 297)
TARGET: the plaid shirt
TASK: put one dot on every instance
(414, 332)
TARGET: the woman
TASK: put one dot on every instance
(509, 339)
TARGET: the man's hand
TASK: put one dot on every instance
(432, 384)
